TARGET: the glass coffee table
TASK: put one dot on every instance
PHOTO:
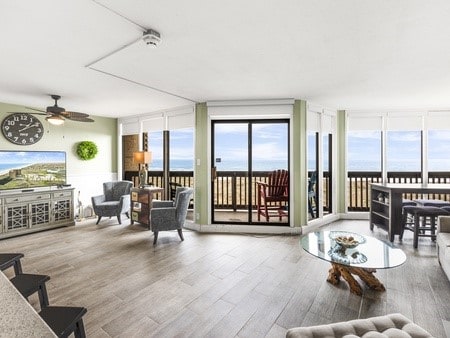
(353, 254)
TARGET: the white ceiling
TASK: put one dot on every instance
(347, 54)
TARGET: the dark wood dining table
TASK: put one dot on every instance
(395, 192)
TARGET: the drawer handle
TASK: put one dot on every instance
(16, 199)
(38, 197)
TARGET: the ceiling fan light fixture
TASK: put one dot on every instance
(55, 120)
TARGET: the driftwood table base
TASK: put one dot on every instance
(366, 275)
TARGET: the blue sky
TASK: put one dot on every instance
(27, 157)
(403, 150)
(181, 144)
(269, 144)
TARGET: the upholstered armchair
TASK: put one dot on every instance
(114, 201)
(172, 202)
(169, 215)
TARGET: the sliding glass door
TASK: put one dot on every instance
(249, 168)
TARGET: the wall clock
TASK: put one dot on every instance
(22, 128)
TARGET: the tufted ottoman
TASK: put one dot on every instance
(392, 326)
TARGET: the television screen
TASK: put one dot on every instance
(31, 169)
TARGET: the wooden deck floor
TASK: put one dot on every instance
(218, 285)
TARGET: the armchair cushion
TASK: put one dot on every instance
(162, 204)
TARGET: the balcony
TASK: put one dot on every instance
(232, 190)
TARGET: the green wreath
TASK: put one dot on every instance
(86, 150)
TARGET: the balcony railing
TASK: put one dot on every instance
(231, 187)
(359, 181)
(184, 178)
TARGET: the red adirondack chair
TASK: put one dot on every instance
(273, 195)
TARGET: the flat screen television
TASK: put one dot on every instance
(31, 169)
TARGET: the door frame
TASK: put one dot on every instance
(250, 122)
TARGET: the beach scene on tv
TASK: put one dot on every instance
(32, 169)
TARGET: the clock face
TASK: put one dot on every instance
(22, 128)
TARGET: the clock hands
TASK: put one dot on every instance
(28, 126)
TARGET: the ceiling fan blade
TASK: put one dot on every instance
(40, 110)
(79, 118)
(72, 114)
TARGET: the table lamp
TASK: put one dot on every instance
(142, 158)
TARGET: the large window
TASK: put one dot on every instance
(364, 151)
(182, 149)
(398, 148)
(155, 145)
(312, 158)
(438, 146)
(403, 151)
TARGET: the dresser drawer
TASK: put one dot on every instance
(27, 198)
(60, 194)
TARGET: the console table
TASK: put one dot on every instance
(141, 203)
(386, 203)
(30, 211)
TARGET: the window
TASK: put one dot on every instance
(438, 145)
(155, 145)
(364, 151)
(403, 151)
(181, 149)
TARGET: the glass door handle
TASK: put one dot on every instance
(213, 173)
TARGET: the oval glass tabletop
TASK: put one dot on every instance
(368, 253)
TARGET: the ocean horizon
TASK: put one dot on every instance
(261, 165)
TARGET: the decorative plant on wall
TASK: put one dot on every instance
(86, 150)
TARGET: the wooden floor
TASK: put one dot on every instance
(218, 285)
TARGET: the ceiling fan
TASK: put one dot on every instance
(56, 114)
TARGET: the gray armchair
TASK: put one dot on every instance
(114, 201)
(169, 203)
(169, 215)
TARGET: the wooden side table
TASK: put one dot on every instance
(141, 203)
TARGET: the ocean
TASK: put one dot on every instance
(7, 166)
(260, 165)
(225, 165)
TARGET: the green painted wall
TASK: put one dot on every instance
(341, 160)
(201, 164)
(299, 165)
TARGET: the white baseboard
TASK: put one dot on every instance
(248, 229)
(312, 225)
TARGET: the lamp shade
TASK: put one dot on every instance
(142, 157)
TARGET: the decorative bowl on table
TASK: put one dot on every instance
(347, 240)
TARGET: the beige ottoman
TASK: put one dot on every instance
(393, 326)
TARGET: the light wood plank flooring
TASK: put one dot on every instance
(218, 285)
